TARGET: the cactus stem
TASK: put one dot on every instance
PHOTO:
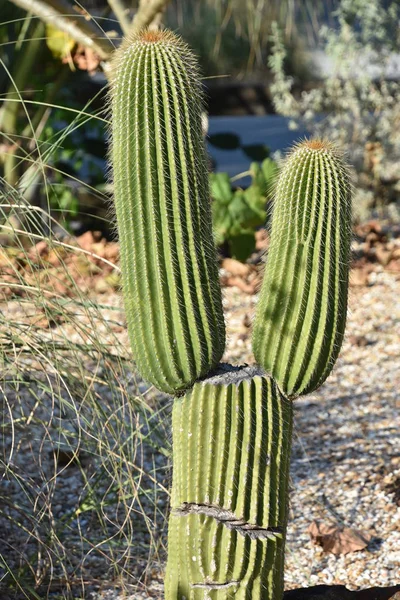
(168, 259)
(231, 447)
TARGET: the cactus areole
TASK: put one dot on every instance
(231, 425)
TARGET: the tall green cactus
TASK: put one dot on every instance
(170, 278)
(302, 308)
(231, 426)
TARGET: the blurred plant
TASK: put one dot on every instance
(356, 103)
(79, 158)
(233, 35)
(73, 37)
(236, 212)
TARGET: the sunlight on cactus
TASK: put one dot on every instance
(170, 277)
(231, 429)
(302, 309)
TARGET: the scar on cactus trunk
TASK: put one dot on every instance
(231, 425)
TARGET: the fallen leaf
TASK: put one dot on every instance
(87, 239)
(238, 282)
(86, 59)
(337, 539)
(235, 267)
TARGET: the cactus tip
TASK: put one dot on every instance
(152, 36)
(317, 144)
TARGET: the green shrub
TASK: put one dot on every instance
(236, 212)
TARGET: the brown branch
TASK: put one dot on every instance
(58, 14)
(147, 12)
(121, 12)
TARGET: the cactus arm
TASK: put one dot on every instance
(301, 315)
(170, 277)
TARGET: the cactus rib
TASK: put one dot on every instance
(301, 315)
(168, 259)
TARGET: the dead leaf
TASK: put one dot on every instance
(359, 277)
(235, 267)
(86, 59)
(238, 282)
(337, 539)
(87, 239)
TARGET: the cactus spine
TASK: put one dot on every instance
(232, 430)
(301, 314)
(168, 260)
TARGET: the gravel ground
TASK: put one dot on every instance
(346, 448)
(345, 465)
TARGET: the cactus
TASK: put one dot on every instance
(161, 193)
(231, 426)
(231, 439)
(302, 308)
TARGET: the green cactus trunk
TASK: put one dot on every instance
(161, 192)
(231, 441)
(301, 314)
(231, 431)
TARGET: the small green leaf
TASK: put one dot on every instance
(256, 200)
(270, 171)
(221, 222)
(242, 215)
(221, 189)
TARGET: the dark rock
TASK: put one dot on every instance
(340, 592)
(378, 593)
(320, 592)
